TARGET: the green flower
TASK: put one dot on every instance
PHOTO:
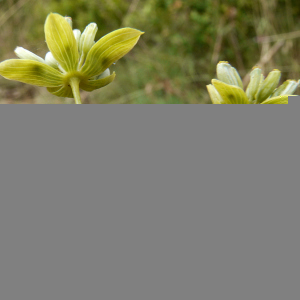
(228, 88)
(74, 61)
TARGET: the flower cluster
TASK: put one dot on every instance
(228, 88)
(74, 61)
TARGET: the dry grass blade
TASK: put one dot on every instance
(12, 10)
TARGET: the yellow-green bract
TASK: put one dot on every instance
(74, 61)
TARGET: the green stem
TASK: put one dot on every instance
(74, 83)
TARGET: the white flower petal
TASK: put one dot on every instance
(104, 74)
(26, 54)
(77, 35)
(50, 60)
(87, 39)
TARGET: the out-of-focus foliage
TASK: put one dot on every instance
(183, 41)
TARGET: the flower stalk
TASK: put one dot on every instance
(74, 83)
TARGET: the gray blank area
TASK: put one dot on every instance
(181, 202)
(295, 100)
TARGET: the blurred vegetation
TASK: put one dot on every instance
(177, 55)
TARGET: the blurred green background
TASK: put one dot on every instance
(176, 57)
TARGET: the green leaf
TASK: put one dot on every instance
(109, 49)
(90, 85)
(61, 91)
(31, 72)
(61, 41)
(230, 94)
(277, 100)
